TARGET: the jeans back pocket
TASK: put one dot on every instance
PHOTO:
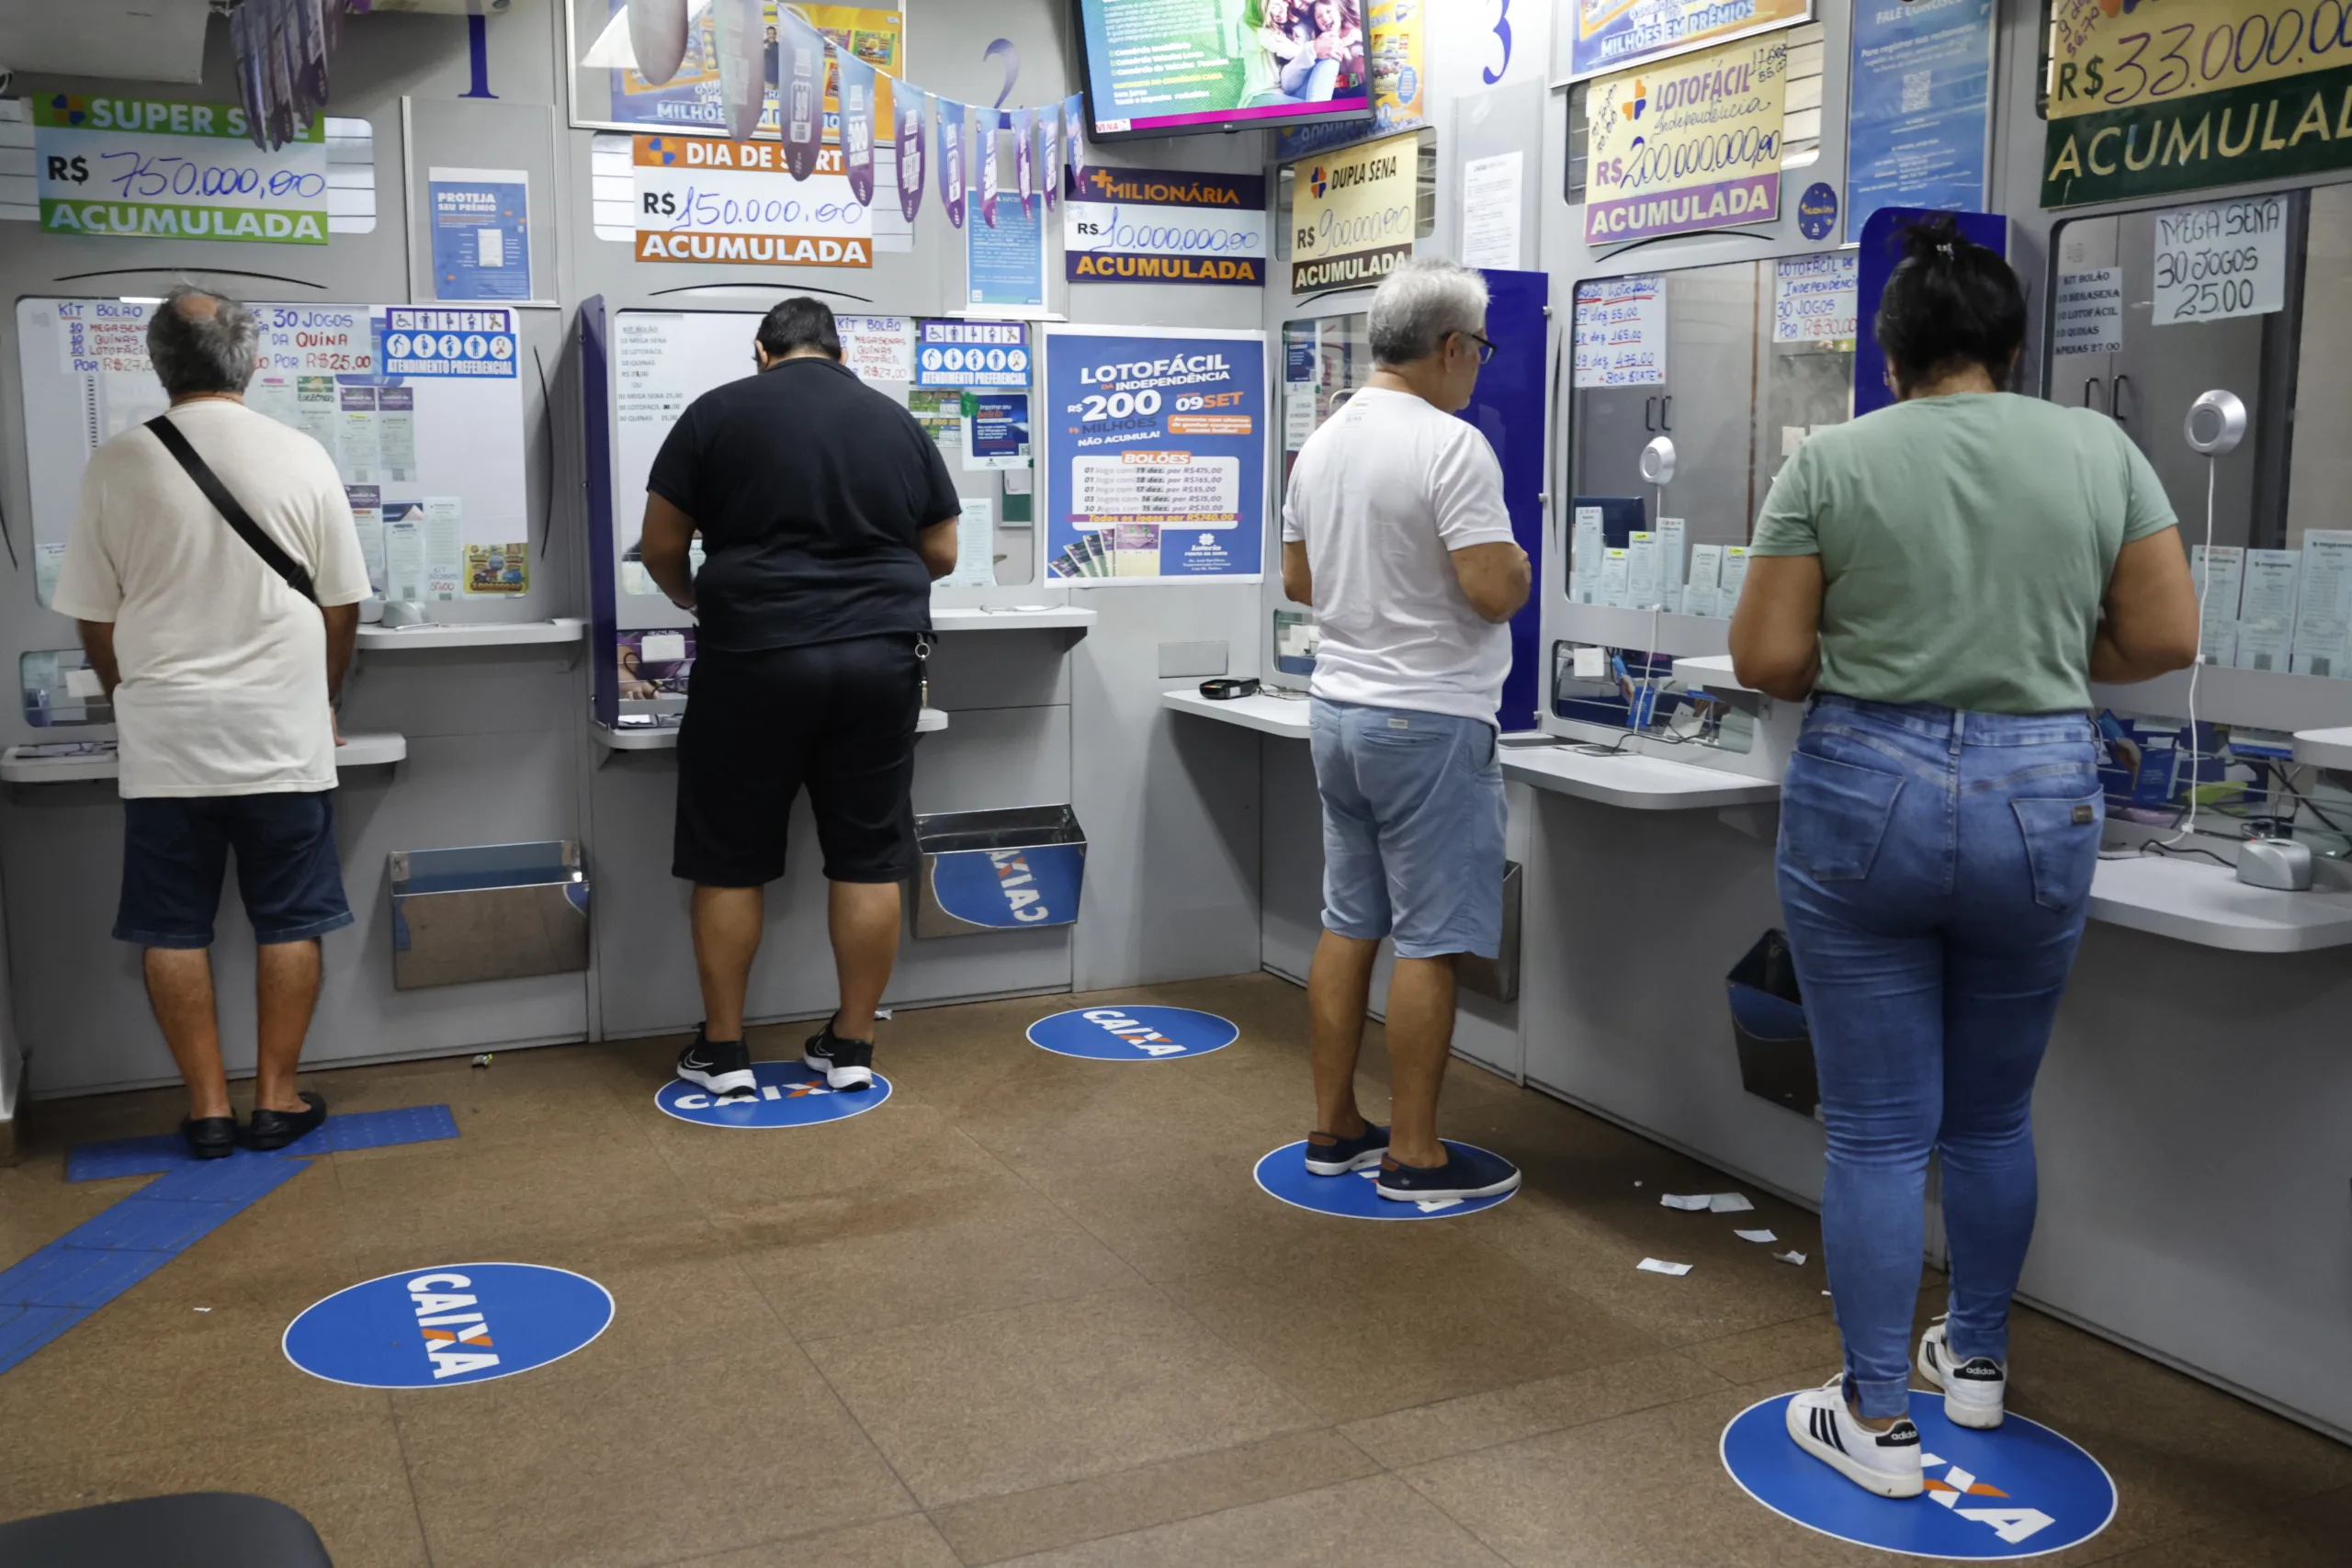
(1834, 816)
(2062, 839)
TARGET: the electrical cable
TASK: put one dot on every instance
(2204, 591)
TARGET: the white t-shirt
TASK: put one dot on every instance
(224, 667)
(1382, 496)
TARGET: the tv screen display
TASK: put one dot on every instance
(1167, 67)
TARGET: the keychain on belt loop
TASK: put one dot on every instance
(922, 670)
(2215, 424)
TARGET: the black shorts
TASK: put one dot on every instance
(175, 850)
(837, 716)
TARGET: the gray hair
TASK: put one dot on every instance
(1422, 302)
(199, 350)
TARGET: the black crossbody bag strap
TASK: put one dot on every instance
(277, 560)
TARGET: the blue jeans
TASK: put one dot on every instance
(1412, 827)
(1935, 869)
(1307, 80)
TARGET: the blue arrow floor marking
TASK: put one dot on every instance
(65, 1281)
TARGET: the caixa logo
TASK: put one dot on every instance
(1132, 1033)
(1010, 889)
(463, 1323)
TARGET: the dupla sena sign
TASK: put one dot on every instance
(1353, 213)
(2145, 99)
(1692, 142)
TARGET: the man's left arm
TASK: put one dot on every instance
(666, 550)
(98, 646)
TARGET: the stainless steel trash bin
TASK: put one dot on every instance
(990, 871)
(488, 912)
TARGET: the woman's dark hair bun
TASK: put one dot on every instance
(1950, 304)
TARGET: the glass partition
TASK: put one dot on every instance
(60, 689)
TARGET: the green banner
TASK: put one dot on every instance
(152, 117)
(2297, 125)
(120, 219)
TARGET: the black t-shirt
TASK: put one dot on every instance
(810, 488)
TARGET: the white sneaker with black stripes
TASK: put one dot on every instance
(1885, 1463)
(1974, 1389)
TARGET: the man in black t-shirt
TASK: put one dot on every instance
(826, 514)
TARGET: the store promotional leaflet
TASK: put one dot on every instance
(1155, 65)
(1155, 454)
(1919, 118)
(1127, 225)
(1610, 35)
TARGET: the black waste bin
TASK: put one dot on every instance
(1768, 1023)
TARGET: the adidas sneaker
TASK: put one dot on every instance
(1885, 1463)
(1974, 1389)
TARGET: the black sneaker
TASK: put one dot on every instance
(267, 1130)
(210, 1137)
(1342, 1156)
(1467, 1173)
(722, 1066)
(846, 1063)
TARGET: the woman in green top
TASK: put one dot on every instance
(1944, 578)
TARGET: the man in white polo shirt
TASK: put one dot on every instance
(1394, 529)
(223, 655)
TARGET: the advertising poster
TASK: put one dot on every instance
(1693, 144)
(995, 429)
(1621, 332)
(1354, 213)
(701, 199)
(2201, 93)
(690, 101)
(164, 169)
(1610, 35)
(1004, 262)
(1158, 65)
(1155, 454)
(1919, 119)
(956, 353)
(1814, 298)
(1124, 225)
(1399, 83)
(880, 348)
(482, 234)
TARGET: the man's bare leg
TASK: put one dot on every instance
(179, 988)
(1339, 989)
(863, 920)
(727, 922)
(285, 991)
(1421, 1037)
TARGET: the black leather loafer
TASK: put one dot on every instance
(275, 1129)
(210, 1137)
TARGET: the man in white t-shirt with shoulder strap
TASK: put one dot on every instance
(1394, 529)
(222, 655)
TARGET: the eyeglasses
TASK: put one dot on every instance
(1486, 348)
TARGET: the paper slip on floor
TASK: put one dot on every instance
(1755, 1235)
(1659, 1265)
(1707, 1203)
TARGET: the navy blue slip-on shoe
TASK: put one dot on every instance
(1467, 1173)
(1343, 1155)
(267, 1130)
(210, 1137)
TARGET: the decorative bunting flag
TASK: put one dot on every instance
(802, 70)
(857, 125)
(742, 64)
(989, 122)
(1049, 153)
(1074, 125)
(1023, 156)
(656, 37)
(911, 103)
(951, 159)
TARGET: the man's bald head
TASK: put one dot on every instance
(201, 342)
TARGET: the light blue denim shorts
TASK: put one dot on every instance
(1412, 827)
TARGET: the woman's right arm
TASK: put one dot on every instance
(2151, 622)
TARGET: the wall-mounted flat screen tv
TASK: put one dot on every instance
(1172, 67)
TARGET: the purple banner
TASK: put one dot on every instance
(742, 64)
(910, 102)
(1049, 153)
(987, 123)
(1024, 155)
(1754, 199)
(857, 125)
(1074, 122)
(951, 160)
(803, 70)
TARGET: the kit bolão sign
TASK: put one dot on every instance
(150, 167)
(1694, 144)
(1355, 214)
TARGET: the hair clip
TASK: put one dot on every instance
(1945, 249)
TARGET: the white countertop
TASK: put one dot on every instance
(1285, 717)
(356, 751)
(1714, 672)
(2195, 900)
(1635, 779)
(478, 634)
(930, 721)
(2326, 747)
(1009, 618)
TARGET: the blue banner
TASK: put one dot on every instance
(1004, 256)
(482, 234)
(1155, 454)
(1917, 122)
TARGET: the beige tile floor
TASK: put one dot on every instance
(1032, 1310)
